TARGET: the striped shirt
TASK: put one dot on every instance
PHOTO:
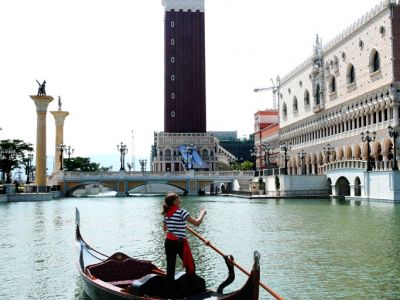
(177, 222)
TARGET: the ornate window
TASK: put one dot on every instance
(318, 95)
(172, 95)
(295, 105)
(204, 154)
(172, 77)
(374, 62)
(168, 154)
(284, 110)
(172, 24)
(332, 84)
(306, 98)
(172, 114)
(351, 74)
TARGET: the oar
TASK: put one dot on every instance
(208, 243)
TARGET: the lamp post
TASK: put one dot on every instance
(257, 154)
(267, 154)
(394, 134)
(366, 137)
(143, 163)
(69, 151)
(232, 163)
(28, 167)
(123, 150)
(61, 148)
(301, 155)
(189, 150)
(328, 150)
(285, 148)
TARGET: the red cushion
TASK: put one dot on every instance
(129, 269)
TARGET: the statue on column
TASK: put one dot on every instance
(59, 103)
(42, 88)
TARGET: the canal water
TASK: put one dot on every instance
(310, 249)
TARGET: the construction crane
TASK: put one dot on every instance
(274, 89)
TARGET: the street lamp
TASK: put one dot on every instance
(123, 150)
(267, 154)
(69, 151)
(285, 148)
(328, 150)
(143, 163)
(232, 163)
(257, 154)
(189, 150)
(28, 167)
(61, 148)
(365, 137)
(301, 155)
(394, 134)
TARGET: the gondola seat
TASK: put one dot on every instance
(121, 272)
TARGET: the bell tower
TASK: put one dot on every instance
(184, 65)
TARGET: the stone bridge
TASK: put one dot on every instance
(190, 182)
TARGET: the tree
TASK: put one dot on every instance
(80, 164)
(246, 165)
(12, 156)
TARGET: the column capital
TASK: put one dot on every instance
(59, 116)
(42, 102)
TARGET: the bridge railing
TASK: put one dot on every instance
(356, 164)
(80, 175)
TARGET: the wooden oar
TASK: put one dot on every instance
(208, 243)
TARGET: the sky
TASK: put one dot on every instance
(105, 59)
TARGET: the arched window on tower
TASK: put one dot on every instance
(375, 62)
(351, 74)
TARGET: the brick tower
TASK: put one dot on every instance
(185, 79)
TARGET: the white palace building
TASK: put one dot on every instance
(336, 109)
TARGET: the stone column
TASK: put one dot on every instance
(59, 117)
(395, 107)
(41, 102)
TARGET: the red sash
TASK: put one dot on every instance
(187, 257)
(172, 210)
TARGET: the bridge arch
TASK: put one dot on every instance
(72, 188)
(329, 185)
(155, 188)
(342, 186)
(357, 187)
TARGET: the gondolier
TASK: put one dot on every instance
(176, 243)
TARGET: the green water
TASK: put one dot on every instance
(310, 249)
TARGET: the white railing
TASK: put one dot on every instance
(135, 174)
(357, 164)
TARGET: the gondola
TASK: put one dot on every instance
(119, 276)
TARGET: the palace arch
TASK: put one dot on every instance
(342, 187)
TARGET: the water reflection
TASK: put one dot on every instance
(310, 249)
